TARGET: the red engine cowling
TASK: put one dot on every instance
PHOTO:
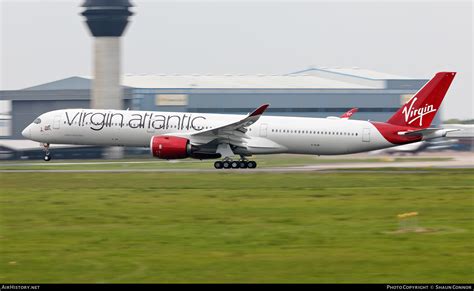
(170, 147)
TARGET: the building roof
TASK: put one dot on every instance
(355, 73)
(312, 78)
(71, 83)
(161, 81)
(237, 82)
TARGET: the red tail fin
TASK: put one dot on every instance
(420, 110)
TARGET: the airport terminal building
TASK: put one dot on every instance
(315, 92)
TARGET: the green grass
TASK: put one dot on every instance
(223, 227)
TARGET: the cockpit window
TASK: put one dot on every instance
(37, 121)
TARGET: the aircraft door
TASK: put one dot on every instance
(263, 130)
(366, 135)
(57, 122)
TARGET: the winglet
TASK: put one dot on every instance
(259, 110)
(349, 113)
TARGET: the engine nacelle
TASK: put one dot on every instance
(170, 147)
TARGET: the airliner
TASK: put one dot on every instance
(222, 137)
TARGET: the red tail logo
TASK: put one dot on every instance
(412, 113)
(420, 110)
(349, 113)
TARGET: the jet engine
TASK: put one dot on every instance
(170, 147)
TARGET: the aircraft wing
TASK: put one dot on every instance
(239, 126)
(233, 133)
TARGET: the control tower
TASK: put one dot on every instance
(107, 20)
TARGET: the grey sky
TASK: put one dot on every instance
(44, 41)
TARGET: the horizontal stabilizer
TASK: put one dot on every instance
(427, 133)
(419, 131)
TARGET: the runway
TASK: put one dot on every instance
(461, 161)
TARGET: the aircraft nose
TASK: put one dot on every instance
(26, 132)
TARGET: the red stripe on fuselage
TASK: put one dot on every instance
(390, 133)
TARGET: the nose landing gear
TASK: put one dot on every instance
(47, 154)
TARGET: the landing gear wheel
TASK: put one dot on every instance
(243, 165)
(234, 165)
(218, 165)
(47, 155)
(226, 164)
(251, 164)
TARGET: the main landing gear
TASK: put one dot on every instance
(47, 154)
(230, 164)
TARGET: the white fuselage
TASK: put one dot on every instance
(270, 134)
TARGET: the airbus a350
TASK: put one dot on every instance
(178, 135)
